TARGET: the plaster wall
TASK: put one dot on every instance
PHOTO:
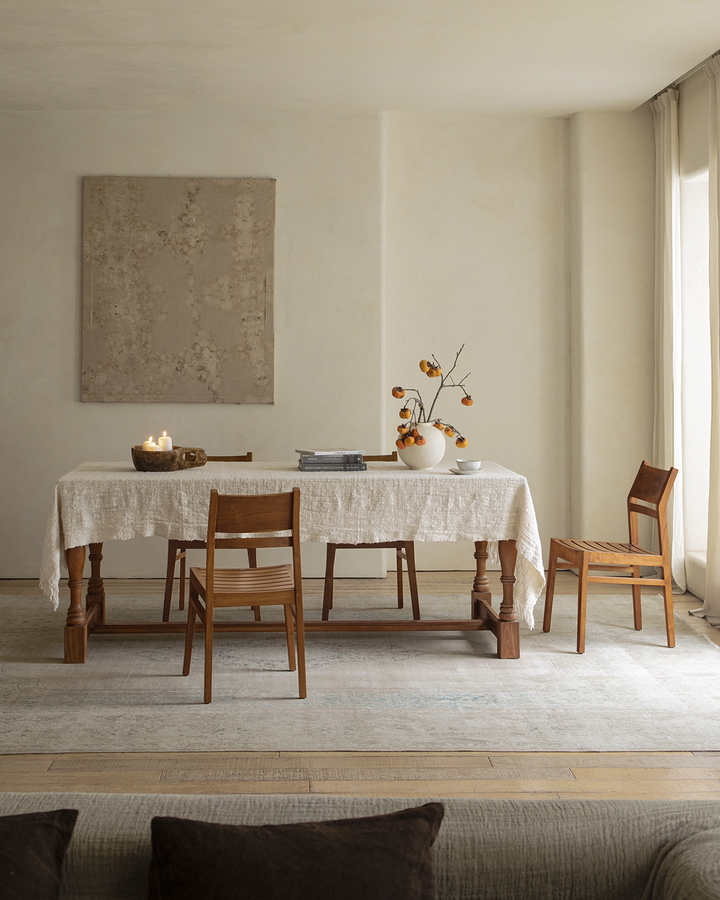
(612, 312)
(329, 367)
(476, 223)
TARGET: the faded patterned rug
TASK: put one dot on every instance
(393, 691)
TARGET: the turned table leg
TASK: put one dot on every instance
(75, 625)
(508, 634)
(481, 585)
(96, 588)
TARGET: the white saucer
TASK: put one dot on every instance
(472, 472)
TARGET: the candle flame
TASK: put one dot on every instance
(150, 438)
(164, 433)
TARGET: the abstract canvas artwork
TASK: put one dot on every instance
(178, 290)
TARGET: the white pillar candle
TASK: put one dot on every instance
(150, 444)
(165, 442)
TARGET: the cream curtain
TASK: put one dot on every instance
(711, 609)
(667, 435)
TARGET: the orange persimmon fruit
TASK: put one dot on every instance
(398, 392)
(449, 431)
(409, 440)
(424, 365)
(403, 429)
(461, 442)
(467, 400)
(405, 413)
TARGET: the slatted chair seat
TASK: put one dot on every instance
(648, 496)
(600, 552)
(229, 583)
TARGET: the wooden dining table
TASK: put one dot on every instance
(493, 509)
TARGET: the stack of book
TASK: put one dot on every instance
(331, 461)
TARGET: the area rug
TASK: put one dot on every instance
(426, 691)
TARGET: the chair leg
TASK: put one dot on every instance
(399, 556)
(189, 635)
(582, 604)
(329, 575)
(208, 651)
(252, 562)
(412, 578)
(169, 579)
(290, 635)
(300, 634)
(181, 590)
(637, 595)
(550, 587)
(669, 615)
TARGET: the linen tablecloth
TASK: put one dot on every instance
(105, 501)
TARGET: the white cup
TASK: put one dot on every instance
(468, 465)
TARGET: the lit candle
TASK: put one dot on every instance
(165, 442)
(150, 444)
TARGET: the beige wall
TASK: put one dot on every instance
(612, 287)
(327, 284)
(476, 255)
(395, 237)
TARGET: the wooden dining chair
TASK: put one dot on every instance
(260, 520)
(177, 554)
(404, 550)
(648, 496)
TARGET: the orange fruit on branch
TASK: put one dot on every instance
(409, 440)
(467, 400)
(420, 441)
(400, 443)
(405, 413)
(449, 431)
(438, 425)
(424, 365)
(398, 392)
(403, 429)
(461, 442)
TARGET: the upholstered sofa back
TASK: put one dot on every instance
(500, 849)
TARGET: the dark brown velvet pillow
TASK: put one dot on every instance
(375, 858)
(32, 849)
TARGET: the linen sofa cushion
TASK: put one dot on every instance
(689, 868)
(385, 857)
(32, 849)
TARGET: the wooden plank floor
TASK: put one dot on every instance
(682, 775)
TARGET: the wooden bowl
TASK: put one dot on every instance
(168, 460)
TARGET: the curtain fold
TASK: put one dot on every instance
(667, 431)
(711, 609)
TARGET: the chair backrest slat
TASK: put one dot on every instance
(651, 484)
(253, 514)
(245, 457)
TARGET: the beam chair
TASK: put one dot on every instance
(257, 520)
(404, 550)
(648, 496)
(177, 554)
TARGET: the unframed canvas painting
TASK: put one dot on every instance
(178, 290)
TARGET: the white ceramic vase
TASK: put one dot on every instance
(430, 453)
